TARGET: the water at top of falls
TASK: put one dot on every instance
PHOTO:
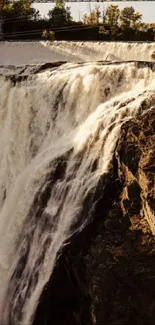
(21, 53)
(55, 126)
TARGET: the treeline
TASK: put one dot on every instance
(19, 20)
(116, 24)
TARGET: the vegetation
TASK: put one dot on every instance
(93, 18)
(20, 20)
(19, 10)
(60, 15)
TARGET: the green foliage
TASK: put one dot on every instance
(18, 10)
(20, 18)
(112, 18)
(93, 17)
(129, 18)
(60, 15)
(48, 35)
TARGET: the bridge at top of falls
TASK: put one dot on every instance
(47, 1)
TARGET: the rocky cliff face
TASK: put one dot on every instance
(106, 274)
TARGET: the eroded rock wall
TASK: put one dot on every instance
(105, 275)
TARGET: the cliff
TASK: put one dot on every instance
(105, 275)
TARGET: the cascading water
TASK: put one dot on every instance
(18, 53)
(58, 133)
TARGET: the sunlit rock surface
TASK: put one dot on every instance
(106, 274)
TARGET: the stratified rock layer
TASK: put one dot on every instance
(106, 274)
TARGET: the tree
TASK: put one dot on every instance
(60, 15)
(5, 8)
(19, 18)
(2, 3)
(112, 18)
(18, 10)
(129, 18)
(93, 17)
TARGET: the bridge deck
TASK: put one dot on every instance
(47, 1)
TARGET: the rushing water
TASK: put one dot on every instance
(58, 132)
(20, 53)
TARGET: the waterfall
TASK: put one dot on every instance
(59, 128)
(20, 53)
(109, 51)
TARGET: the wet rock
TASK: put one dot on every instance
(105, 274)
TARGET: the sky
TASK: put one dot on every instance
(78, 9)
